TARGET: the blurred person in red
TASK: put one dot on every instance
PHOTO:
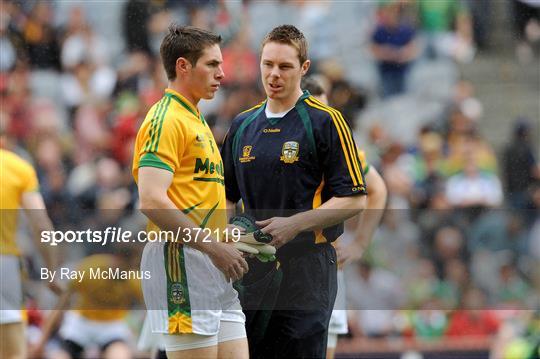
(472, 318)
(240, 63)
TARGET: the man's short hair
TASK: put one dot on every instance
(184, 41)
(313, 85)
(289, 35)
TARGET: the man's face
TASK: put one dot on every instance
(205, 77)
(281, 70)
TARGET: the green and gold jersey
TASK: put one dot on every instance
(16, 178)
(175, 137)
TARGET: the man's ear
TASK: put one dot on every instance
(182, 65)
(305, 67)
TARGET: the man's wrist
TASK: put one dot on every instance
(301, 222)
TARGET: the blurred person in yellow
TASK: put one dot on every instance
(19, 188)
(179, 173)
(104, 293)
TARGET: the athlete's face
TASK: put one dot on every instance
(205, 77)
(281, 70)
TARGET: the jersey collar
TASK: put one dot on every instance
(183, 102)
(274, 120)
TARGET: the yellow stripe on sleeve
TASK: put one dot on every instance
(344, 143)
(350, 141)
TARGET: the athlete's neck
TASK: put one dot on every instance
(184, 91)
(281, 105)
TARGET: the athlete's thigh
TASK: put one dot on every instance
(197, 353)
(232, 339)
(12, 340)
(233, 349)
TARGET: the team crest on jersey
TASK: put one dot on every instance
(246, 154)
(289, 152)
(177, 293)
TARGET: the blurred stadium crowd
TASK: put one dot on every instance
(461, 232)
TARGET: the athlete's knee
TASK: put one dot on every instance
(117, 350)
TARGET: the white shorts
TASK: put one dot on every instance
(332, 340)
(227, 331)
(186, 293)
(338, 320)
(86, 332)
(149, 341)
(10, 290)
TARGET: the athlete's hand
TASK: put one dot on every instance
(229, 260)
(348, 253)
(282, 229)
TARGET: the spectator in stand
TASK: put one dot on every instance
(473, 188)
(135, 24)
(398, 181)
(456, 279)
(341, 93)
(12, 47)
(41, 38)
(526, 18)
(394, 47)
(535, 240)
(472, 318)
(429, 322)
(447, 27)
(427, 169)
(396, 243)
(520, 166)
(374, 293)
(513, 291)
(82, 43)
(499, 230)
(240, 63)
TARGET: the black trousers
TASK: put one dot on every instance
(297, 324)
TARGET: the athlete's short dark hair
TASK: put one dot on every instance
(289, 35)
(184, 41)
(313, 85)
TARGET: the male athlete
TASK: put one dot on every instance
(293, 162)
(18, 189)
(358, 230)
(179, 172)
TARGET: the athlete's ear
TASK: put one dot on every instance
(305, 67)
(182, 65)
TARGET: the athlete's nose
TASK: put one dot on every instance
(220, 74)
(275, 72)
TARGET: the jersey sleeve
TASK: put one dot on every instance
(161, 142)
(232, 191)
(341, 161)
(30, 183)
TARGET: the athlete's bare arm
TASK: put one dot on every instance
(368, 221)
(158, 207)
(34, 206)
(334, 211)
